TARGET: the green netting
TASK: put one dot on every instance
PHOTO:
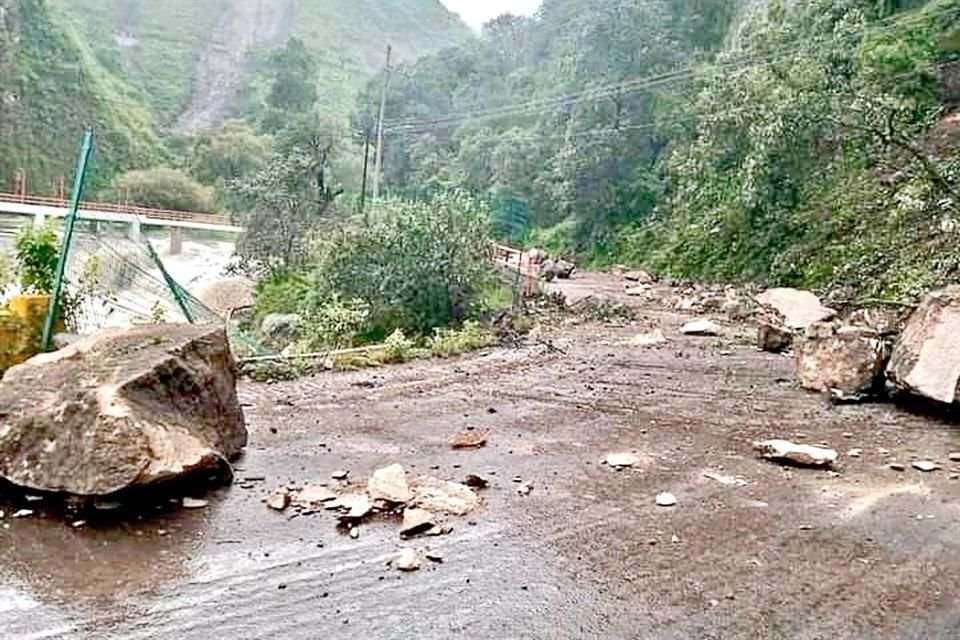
(114, 279)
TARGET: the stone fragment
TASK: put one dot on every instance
(442, 496)
(408, 560)
(925, 465)
(469, 439)
(620, 460)
(799, 308)
(416, 521)
(799, 454)
(666, 499)
(390, 484)
(700, 328)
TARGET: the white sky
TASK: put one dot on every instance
(477, 12)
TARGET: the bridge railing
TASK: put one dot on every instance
(109, 207)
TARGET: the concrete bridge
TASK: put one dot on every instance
(41, 209)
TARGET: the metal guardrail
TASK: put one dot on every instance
(108, 207)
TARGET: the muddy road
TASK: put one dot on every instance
(868, 552)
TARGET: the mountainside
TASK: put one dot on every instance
(190, 59)
(51, 87)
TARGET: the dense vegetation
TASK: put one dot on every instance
(127, 68)
(155, 45)
(51, 88)
(802, 143)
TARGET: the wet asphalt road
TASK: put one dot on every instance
(869, 553)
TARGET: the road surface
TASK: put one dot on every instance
(794, 553)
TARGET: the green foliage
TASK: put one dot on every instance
(233, 152)
(8, 273)
(398, 347)
(336, 324)
(290, 198)
(447, 342)
(786, 154)
(37, 251)
(420, 265)
(163, 188)
(54, 87)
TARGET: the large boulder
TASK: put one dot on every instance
(845, 361)
(799, 308)
(926, 359)
(121, 409)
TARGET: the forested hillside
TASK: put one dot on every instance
(795, 142)
(147, 75)
(51, 87)
(174, 50)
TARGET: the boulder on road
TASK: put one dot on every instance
(121, 409)
(799, 308)
(926, 359)
(845, 361)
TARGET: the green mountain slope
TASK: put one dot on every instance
(51, 87)
(190, 58)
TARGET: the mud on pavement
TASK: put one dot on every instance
(750, 549)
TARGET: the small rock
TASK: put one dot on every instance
(434, 556)
(620, 460)
(390, 484)
(727, 480)
(470, 439)
(194, 503)
(416, 521)
(408, 560)
(354, 532)
(651, 339)
(357, 506)
(77, 524)
(525, 489)
(638, 276)
(22, 513)
(476, 482)
(897, 466)
(700, 328)
(675, 539)
(855, 453)
(801, 454)
(955, 457)
(340, 474)
(666, 499)
(441, 496)
(313, 495)
(925, 465)
(279, 500)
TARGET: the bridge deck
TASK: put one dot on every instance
(107, 212)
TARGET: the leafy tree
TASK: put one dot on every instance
(289, 198)
(231, 153)
(163, 188)
(37, 252)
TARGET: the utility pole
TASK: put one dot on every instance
(366, 163)
(383, 107)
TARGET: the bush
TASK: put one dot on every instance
(452, 342)
(37, 252)
(399, 348)
(338, 324)
(163, 188)
(421, 265)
